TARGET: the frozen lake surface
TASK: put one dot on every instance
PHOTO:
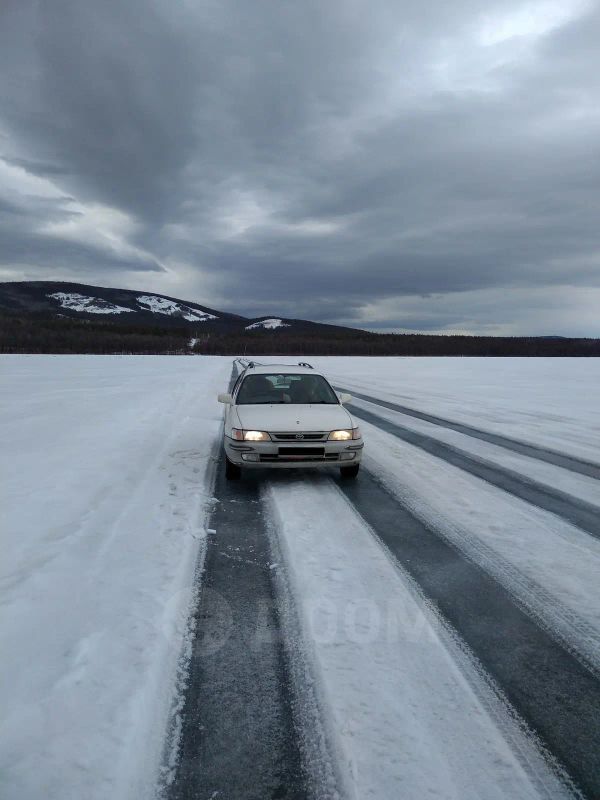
(108, 506)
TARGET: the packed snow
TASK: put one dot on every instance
(524, 547)
(108, 465)
(577, 485)
(413, 717)
(91, 305)
(268, 324)
(160, 305)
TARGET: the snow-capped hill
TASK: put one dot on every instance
(91, 305)
(142, 310)
(161, 305)
(120, 306)
(268, 324)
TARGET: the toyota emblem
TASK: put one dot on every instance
(299, 436)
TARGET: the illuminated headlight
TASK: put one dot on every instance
(345, 435)
(256, 436)
(250, 436)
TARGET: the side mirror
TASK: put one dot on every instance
(225, 398)
(345, 398)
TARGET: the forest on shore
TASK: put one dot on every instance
(38, 333)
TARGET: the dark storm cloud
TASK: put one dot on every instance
(370, 163)
(36, 167)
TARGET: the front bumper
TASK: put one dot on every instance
(281, 455)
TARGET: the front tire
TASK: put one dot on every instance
(350, 472)
(232, 471)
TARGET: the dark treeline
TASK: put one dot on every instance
(42, 334)
(389, 344)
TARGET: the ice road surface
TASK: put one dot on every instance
(107, 467)
(408, 719)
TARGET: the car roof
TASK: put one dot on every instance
(274, 369)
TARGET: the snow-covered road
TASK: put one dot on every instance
(430, 630)
(411, 712)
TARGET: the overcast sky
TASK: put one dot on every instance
(389, 164)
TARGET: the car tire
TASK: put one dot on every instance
(232, 471)
(350, 472)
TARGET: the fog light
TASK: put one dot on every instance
(345, 456)
(250, 457)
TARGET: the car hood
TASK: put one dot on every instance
(293, 417)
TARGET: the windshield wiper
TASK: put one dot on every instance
(264, 403)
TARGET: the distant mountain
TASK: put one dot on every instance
(139, 308)
(59, 317)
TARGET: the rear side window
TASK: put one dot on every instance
(291, 388)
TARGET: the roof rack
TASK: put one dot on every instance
(252, 364)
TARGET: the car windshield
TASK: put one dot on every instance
(285, 388)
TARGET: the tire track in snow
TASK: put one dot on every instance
(584, 515)
(522, 547)
(414, 713)
(238, 737)
(242, 733)
(549, 688)
(572, 463)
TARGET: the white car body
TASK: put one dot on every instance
(298, 434)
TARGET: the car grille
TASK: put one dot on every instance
(300, 454)
(299, 436)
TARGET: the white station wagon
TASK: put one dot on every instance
(283, 415)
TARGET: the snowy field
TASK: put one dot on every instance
(108, 470)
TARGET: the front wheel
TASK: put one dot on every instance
(232, 471)
(350, 472)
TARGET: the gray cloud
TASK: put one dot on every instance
(392, 165)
